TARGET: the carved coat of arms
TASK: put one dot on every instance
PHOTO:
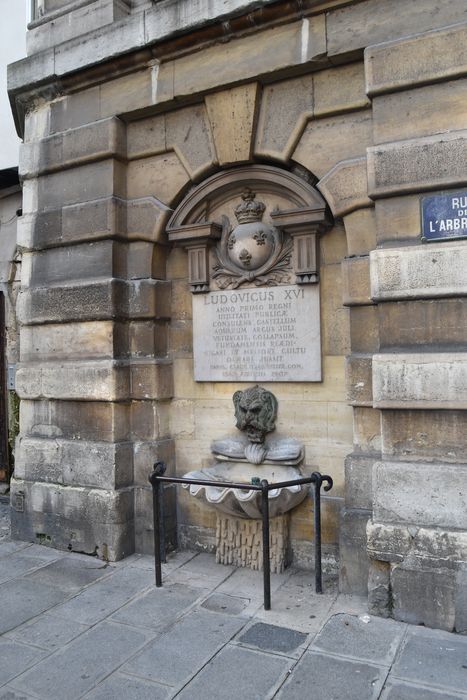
(253, 251)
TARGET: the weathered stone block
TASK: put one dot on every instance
(439, 324)
(425, 435)
(360, 230)
(354, 562)
(75, 420)
(364, 329)
(99, 45)
(358, 380)
(232, 114)
(67, 341)
(356, 26)
(425, 380)
(398, 221)
(247, 57)
(83, 183)
(162, 176)
(151, 379)
(345, 187)
(437, 270)
(379, 589)
(75, 23)
(329, 140)
(74, 462)
(427, 546)
(356, 281)
(339, 89)
(86, 261)
(414, 591)
(427, 110)
(358, 481)
(74, 110)
(285, 107)
(96, 300)
(335, 317)
(412, 166)
(418, 59)
(146, 219)
(94, 521)
(150, 420)
(367, 429)
(147, 453)
(102, 380)
(93, 142)
(421, 501)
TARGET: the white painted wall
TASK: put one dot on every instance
(15, 15)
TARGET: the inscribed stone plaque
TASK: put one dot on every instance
(257, 334)
(444, 216)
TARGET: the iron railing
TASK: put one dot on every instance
(316, 478)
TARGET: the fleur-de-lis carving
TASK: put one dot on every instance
(260, 237)
(232, 241)
(245, 257)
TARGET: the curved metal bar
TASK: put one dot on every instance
(315, 478)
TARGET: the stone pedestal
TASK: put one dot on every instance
(239, 542)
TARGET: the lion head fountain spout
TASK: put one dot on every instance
(252, 454)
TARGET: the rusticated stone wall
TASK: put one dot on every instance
(367, 100)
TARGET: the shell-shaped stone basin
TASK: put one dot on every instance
(240, 503)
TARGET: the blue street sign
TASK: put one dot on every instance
(444, 216)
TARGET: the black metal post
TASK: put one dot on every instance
(317, 523)
(159, 469)
(266, 555)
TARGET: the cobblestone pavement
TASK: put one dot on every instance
(74, 627)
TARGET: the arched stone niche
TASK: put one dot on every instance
(251, 237)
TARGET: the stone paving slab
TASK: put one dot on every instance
(120, 687)
(48, 632)
(433, 657)
(159, 607)
(24, 600)
(106, 596)
(174, 657)
(398, 690)
(15, 658)
(70, 574)
(76, 630)
(364, 638)
(77, 667)
(17, 565)
(333, 679)
(237, 672)
(8, 693)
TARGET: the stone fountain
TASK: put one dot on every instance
(248, 457)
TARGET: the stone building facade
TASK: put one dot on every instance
(126, 108)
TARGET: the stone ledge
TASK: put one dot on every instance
(395, 65)
(413, 165)
(422, 380)
(419, 272)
